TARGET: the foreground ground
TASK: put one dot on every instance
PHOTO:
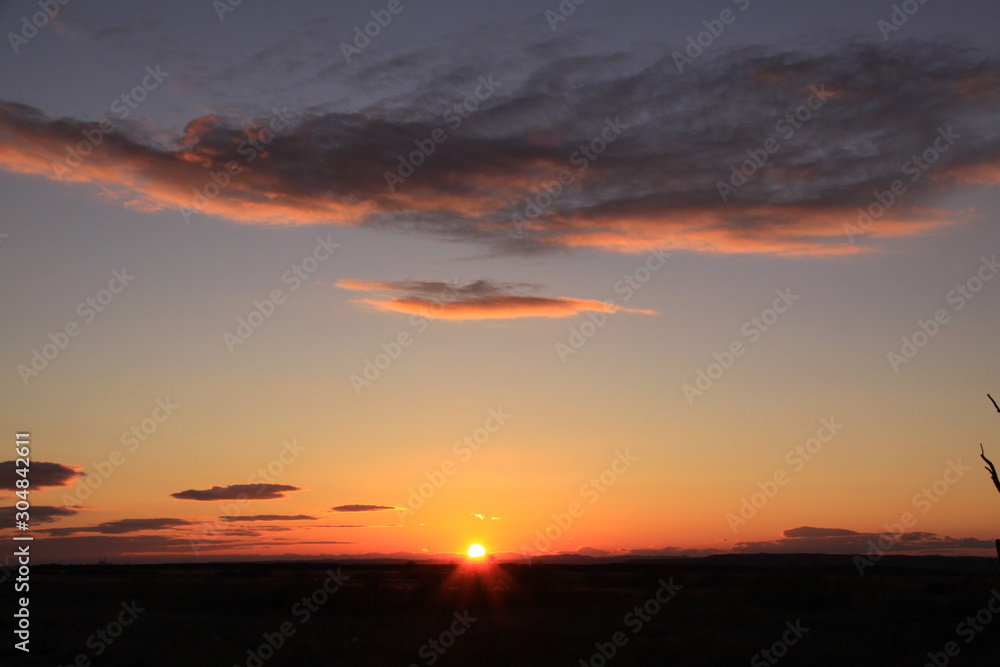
(803, 611)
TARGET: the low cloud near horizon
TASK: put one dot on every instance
(363, 508)
(38, 513)
(237, 492)
(42, 474)
(806, 539)
(270, 517)
(122, 526)
(154, 548)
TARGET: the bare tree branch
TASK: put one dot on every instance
(992, 469)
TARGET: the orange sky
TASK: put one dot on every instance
(604, 306)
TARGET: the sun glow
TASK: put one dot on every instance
(476, 551)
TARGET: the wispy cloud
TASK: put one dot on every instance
(270, 517)
(237, 492)
(363, 508)
(122, 526)
(479, 300)
(82, 548)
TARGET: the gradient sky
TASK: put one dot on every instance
(565, 341)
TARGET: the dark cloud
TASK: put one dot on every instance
(270, 517)
(439, 291)
(239, 532)
(672, 552)
(39, 514)
(256, 531)
(122, 526)
(85, 548)
(669, 140)
(807, 531)
(357, 525)
(661, 552)
(842, 541)
(40, 473)
(363, 508)
(237, 492)
(482, 299)
(590, 551)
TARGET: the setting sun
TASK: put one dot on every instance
(476, 551)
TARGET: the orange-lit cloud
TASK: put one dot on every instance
(478, 300)
(640, 163)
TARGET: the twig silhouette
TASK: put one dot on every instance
(992, 469)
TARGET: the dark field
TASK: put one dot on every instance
(726, 611)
